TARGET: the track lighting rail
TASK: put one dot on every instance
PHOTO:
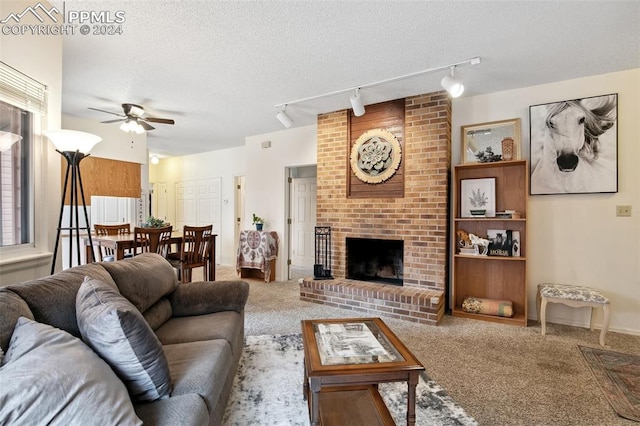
(472, 61)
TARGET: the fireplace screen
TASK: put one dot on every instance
(371, 259)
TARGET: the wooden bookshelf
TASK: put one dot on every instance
(492, 277)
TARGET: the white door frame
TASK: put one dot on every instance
(290, 172)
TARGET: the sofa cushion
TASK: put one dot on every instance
(52, 299)
(117, 331)
(143, 279)
(188, 409)
(12, 307)
(158, 313)
(228, 325)
(51, 377)
(205, 297)
(201, 368)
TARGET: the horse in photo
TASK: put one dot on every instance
(573, 146)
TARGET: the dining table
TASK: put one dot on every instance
(121, 244)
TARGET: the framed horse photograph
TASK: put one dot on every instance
(574, 146)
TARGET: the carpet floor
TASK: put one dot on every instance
(618, 375)
(499, 374)
(268, 390)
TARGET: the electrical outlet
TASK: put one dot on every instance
(623, 211)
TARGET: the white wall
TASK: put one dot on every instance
(266, 179)
(576, 238)
(40, 57)
(224, 164)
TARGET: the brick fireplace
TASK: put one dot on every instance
(419, 218)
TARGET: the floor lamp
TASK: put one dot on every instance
(73, 146)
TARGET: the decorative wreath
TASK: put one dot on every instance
(375, 156)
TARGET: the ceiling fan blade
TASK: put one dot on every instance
(146, 125)
(114, 121)
(160, 120)
(108, 112)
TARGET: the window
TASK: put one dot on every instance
(15, 200)
(22, 104)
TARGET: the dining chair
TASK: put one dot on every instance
(152, 240)
(107, 254)
(193, 251)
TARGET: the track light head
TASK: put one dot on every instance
(356, 104)
(284, 118)
(452, 84)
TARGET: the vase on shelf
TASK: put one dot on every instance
(507, 149)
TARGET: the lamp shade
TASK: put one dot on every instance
(7, 139)
(72, 140)
(452, 85)
(356, 104)
(284, 119)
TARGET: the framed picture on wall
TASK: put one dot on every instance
(478, 197)
(574, 146)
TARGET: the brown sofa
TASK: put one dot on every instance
(199, 325)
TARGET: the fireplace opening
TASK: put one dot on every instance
(370, 259)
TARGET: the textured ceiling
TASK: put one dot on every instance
(218, 68)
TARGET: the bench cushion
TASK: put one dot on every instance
(572, 292)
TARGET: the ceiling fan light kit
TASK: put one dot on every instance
(452, 85)
(132, 126)
(133, 118)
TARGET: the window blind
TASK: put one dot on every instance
(21, 90)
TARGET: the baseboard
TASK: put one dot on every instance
(583, 324)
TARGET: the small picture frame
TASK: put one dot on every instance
(490, 142)
(478, 197)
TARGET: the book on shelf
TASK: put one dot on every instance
(508, 214)
(503, 242)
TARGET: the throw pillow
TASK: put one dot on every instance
(117, 331)
(51, 377)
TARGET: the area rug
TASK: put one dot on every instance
(268, 390)
(618, 375)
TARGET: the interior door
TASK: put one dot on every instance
(239, 210)
(162, 201)
(185, 204)
(209, 207)
(303, 221)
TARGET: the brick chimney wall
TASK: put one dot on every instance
(420, 218)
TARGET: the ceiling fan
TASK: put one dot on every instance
(134, 119)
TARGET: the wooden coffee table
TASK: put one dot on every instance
(344, 361)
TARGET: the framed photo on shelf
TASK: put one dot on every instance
(574, 146)
(478, 197)
(503, 242)
(490, 142)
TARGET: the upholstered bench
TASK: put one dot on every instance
(576, 297)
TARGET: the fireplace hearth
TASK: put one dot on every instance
(370, 259)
